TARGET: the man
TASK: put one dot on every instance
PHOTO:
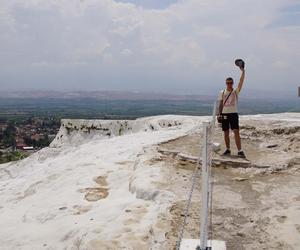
(228, 99)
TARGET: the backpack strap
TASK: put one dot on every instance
(226, 97)
(223, 103)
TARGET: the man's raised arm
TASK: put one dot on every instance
(241, 80)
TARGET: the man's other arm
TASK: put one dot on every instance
(239, 88)
(220, 107)
(220, 100)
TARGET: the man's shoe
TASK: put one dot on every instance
(241, 154)
(227, 152)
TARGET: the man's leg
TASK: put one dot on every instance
(225, 128)
(227, 139)
(237, 139)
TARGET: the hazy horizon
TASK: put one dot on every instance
(248, 94)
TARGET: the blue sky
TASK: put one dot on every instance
(184, 46)
(288, 16)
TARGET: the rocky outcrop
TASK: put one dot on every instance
(75, 131)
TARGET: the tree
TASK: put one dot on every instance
(9, 135)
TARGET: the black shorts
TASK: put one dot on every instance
(230, 120)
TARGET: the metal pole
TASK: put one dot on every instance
(205, 189)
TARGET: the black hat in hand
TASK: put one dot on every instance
(240, 63)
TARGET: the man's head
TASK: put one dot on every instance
(229, 83)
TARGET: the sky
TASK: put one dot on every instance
(183, 46)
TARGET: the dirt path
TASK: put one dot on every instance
(254, 208)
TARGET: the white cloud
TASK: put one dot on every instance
(190, 41)
(126, 52)
(280, 64)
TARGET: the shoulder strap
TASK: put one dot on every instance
(226, 97)
(223, 103)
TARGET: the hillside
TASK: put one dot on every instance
(122, 185)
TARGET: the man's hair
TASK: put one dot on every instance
(229, 79)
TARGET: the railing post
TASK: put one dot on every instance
(206, 200)
(205, 188)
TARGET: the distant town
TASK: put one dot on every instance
(20, 138)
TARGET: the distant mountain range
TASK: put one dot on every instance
(101, 95)
(136, 95)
